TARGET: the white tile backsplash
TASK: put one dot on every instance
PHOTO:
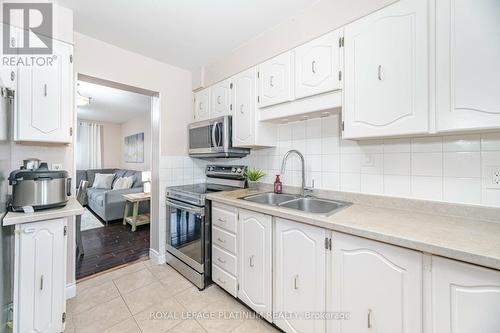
(447, 168)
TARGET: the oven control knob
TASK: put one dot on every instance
(233, 170)
(238, 170)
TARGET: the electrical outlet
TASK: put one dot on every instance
(493, 177)
(56, 166)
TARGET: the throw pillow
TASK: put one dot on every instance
(123, 183)
(103, 180)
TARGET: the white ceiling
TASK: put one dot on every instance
(184, 33)
(110, 104)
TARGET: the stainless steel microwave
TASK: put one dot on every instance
(213, 138)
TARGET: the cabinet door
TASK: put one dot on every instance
(386, 72)
(275, 80)
(254, 260)
(40, 276)
(202, 105)
(317, 65)
(465, 298)
(380, 286)
(300, 279)
(467, 66)
(44, 98)
(244, 108)
(221, 99)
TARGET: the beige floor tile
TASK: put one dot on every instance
(161, 317)
(147, 296)
(103, 278)
(91, 297)
(255, 326)
(69, 327)
(226, 315)
(128, 326)
(176, 282)
(188, 326)
(162, 271)
(194, 300)
(101, 317)
(134, 281)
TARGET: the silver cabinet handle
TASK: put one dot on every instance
(369, 318)
(41, 282)
(296, 282)
(201, 105)
(221, 261)
(379, 72)
(13, 42)
(45, 90)
(271, 78)
(12, 76)
(221, 220)
(241, 108)
(221, 281)
(313, 66)
(251, 261)
(218, 100)
(220, 240)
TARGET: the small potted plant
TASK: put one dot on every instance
(253, 176)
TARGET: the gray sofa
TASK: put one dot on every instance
(110, 204)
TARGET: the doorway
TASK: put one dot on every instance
(115, 131)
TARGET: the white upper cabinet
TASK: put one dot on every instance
(386, 77)
(275, 80)
(300, 275)
(202, 105)
(221, 99)
(467, 64)
(318, 65)
(380, 286)
(465, 298)
(254, 258)
(247, 130)
(44, 99)
(40, 277)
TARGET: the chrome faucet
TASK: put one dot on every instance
(283, 166)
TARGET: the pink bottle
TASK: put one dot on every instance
(278, 186)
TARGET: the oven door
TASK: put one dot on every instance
(186, 233)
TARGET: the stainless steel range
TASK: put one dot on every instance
(189, 222)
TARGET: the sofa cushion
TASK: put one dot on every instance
(91, 174)
(103, 180)
(96, 195)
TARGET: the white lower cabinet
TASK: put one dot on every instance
(465, 298)
(40, 276)
(379, 285)
(299, 276)
(255, 260)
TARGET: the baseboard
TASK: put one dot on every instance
(70, 290)
(156, 257)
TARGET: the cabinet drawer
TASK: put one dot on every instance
(224, 260)
(224, 280)
(224, 239)
(224, 217)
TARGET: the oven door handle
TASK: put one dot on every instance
(188, 208)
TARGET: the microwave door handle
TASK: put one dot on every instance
(219, 135)
(214, 128)
(194, 210)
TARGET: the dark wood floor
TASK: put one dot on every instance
(111, 246)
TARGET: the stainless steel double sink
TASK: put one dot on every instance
(306, 204)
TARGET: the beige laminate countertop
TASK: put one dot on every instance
(464, 239)
(72, 208)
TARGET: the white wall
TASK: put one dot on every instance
(111, 145)
(105, 61)
(322, 17)
(134, 126)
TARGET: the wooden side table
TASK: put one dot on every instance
(136, 219)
